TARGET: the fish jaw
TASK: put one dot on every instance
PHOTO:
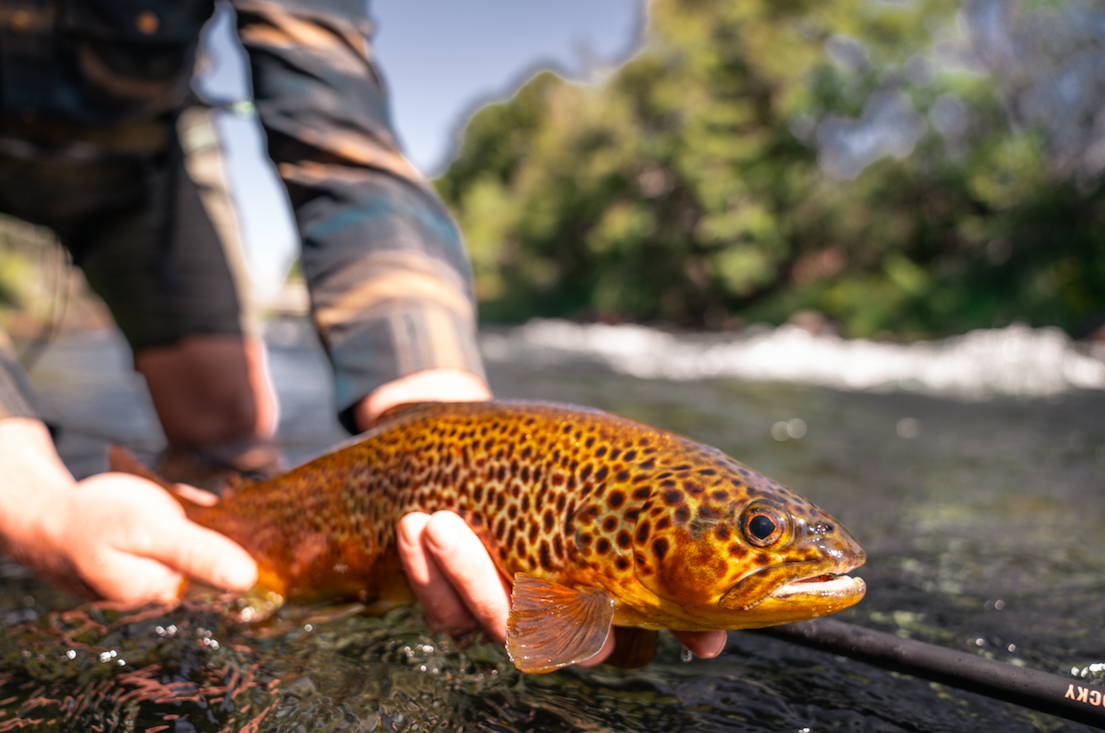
(805, 597)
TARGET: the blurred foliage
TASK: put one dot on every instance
(885, 163)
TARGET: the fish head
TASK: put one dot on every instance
(731, 548)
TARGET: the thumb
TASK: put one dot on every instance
(204, 555)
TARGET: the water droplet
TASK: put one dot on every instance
(71, 654)
(908, 428)
(796, 428)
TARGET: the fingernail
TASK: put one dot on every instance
(712, 650)
(239, 574)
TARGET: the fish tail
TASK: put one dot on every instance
(121, 460)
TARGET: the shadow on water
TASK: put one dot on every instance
(983, 523)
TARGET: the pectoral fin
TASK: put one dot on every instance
(552, 625)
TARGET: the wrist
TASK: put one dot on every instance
(34, 485)
(430, 385)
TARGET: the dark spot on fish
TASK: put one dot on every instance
(526, 452)
(721, 531)
(621, 563)
(547, 520)
(589, 442)
(673, 497)
(543, 553)
(720, 495)
(475, 520)
(642, 532)
(512, 511)
(623, 539)
(737, 550)
(525, 502)
(477, 495)
(602, 546)
(632, 514)
(558, 547)
(532, 534)
(641, 493)
(663, 523)
(609, 523)
(693, 489)
(707, 513)
(600, 451)
(560, 502)
(524, 474)
(600, 475)
(707, 472)
(762, 558)
(647, 465)
(558, 479)
(500, 500)
(500, 474)
(615, 452)
(616, 499)
(622, 476)
(520, 547)
(659, 548)
(586, 471)
(682, 514)
(629, 455)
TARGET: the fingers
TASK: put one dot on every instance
(606, 651)
(452, 575)
(704, 644)
(442, 607)
(200, 553)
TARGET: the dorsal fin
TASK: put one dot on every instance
(402, 408)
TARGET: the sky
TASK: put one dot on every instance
(441, 59)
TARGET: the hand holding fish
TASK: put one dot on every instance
(461, 591)
(112, 535)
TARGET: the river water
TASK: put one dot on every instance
(981, 510)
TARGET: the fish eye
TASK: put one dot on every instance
(762, 526)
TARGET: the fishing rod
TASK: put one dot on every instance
(1047, 693)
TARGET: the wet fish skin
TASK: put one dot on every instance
(598, 520)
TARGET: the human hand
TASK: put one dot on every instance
(461, 590)
(124, 538)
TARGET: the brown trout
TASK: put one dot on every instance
(599, 522)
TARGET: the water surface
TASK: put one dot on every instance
(982, 520)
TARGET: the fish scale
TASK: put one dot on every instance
(599, 521)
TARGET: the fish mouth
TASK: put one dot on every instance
(806, 583)
(822, 585)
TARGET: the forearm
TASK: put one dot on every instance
(390, 283)
(436, 385)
